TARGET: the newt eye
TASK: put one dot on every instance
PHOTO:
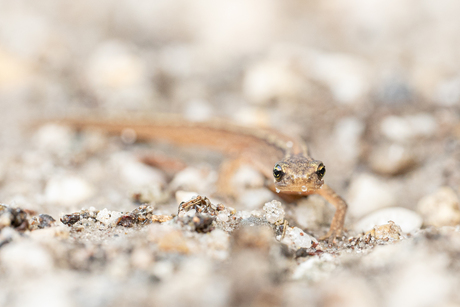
(278, 172)
(320, 171)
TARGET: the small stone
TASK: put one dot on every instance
(14, 217)
(247, 177)
(272, 79)
(254, 198)
(203, 223)
(274, 212)
(346, 76)
(107, 217)
(296, 238)
(141, 258)
(54, 138)
(407, 219)
(223, 217)
(115, 72)
(15, 70)
(368, 193)
(387, 231)
(448, 92)
(45, 220)
(348, 133)
(41, 221)
(68, 190)
(70, 219)
(26, 257)
(409, 127)
(391, 159)
(194, 179)
(137, 174)
(441, 208)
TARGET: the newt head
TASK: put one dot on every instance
(298, 174)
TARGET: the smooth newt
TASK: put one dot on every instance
(281, 158)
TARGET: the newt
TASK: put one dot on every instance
(282, 159)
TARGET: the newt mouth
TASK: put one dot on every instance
(299, 187)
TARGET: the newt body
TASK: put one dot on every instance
(283, 159)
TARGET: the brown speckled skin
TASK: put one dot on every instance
(260, 148)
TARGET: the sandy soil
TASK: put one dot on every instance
(372, 86)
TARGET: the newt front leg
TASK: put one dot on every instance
(338, 220)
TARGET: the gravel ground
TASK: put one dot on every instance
(372, 86)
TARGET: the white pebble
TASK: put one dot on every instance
(296, 238)
(253, 199)
(223, 217)
(274, 212)
(346, 76)
(135, 173)
(407, 219)
(68, 190)
(194, 179)
(247, 177)
(441, 208)
(26, 258)
(407, 128)
(114, 66)
(368, 193)
(108, 217)
(271, 79)
(54, 138)
(448, 92)
(348, 133)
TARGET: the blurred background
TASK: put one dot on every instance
(373, 86)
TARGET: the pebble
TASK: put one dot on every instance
(389, 231)
(296, 238)
(448, 92)
(274, 212)
(26, 257)
(247, 177)
(15, 71)
(54, 138)
(346, 76)
(163, 269)
(348, 133)
(68, 190)
(391, 159)
(368, 193)
(442, 208)
(407, 219)
(116, 73)
(271, 79)
(253, 199)
(198, 110)
(194, 179)
(141, 258)
(107, 217)
(409, 127)
(136, 174)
